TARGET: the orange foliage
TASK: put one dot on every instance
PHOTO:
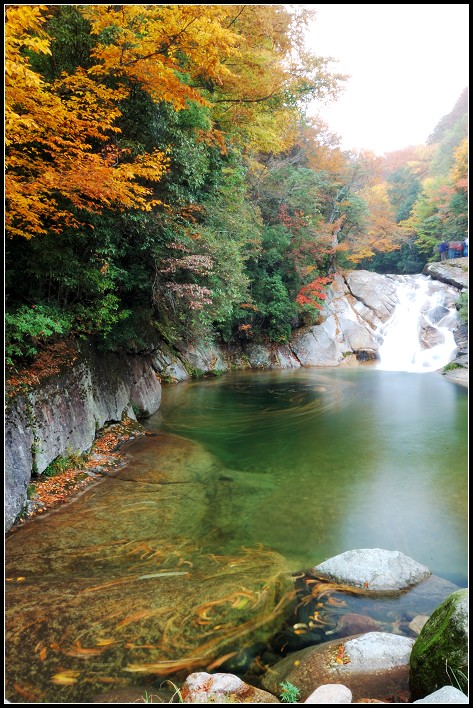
(63, 155)
(50, 492)
(52, 134)
(459, 172)
(150, 40)
(48, 362)
(55, 490)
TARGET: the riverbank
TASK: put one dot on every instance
(69, 476)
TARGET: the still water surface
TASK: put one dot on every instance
(317, 462)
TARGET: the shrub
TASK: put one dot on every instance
(29, 327)
(289, 692)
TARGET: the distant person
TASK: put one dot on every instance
(451, 249)
(443, 248)
(458, 249)
(465, 246)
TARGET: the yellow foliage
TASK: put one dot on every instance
(246, 62)
(50, 131)
(148, 41)
(381, 233)
(459, 171)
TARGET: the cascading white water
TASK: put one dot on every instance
(420, 311)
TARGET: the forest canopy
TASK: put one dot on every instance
(161, 170)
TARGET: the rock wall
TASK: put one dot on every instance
(455, 272)
(65, 411)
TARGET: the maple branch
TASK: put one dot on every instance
(306, 89)
(159, 52)
(236, 18)
(246, 100)
(176, 36)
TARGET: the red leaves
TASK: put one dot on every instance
(49, 361)
(58, 489)
(249, 306)
(341, 657)
(293, 223)
(312, 292)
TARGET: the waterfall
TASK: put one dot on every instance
(418, 337)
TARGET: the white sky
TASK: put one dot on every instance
(408, 63)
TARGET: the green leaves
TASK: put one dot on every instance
(289, 692)
(29, 326)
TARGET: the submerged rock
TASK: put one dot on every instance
(136, 694)
(418, 623)
(326, 610)
(130, 592)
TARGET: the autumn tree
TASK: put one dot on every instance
(380, 232)
(441, 209)
(272, 75)
(61, 156)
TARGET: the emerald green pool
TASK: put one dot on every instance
(317, 462)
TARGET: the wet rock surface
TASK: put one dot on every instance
(114, 593)
(374, 664)
(374, 569)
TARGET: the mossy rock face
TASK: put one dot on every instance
(440, 654)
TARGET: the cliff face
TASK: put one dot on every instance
(65, 411)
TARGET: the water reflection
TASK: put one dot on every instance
(318, 462)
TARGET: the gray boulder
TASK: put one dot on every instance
(453, 272)
(377, 294)
(374, 664)
(202, 357)
(201, 687)
(447, 694)
(330, 693)
(374, 569)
